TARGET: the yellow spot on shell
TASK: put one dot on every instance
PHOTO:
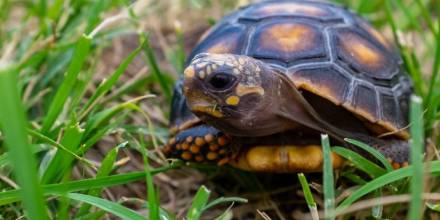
(362, 51)
(233, 100)
(289, 37)
(189, 72)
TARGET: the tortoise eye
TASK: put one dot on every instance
(221, 81)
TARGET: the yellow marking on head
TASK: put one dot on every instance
(233, 100)
(208, 110)
(189, 72)
(288, 37)
(244, 90)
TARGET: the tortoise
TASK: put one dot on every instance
(265, 81)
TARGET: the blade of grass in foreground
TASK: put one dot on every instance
(329, 193)
(105, 169)
(107, 84)
(416, 117)
(85, 184)
(154, 67)
(308, 195)
(81, 51)
(13, 124)
(108, 206)
(373, 152)
(384, 180)
(360, 162)
(199, 201)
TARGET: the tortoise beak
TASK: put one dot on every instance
(208, 109)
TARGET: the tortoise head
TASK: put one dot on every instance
(235, 93)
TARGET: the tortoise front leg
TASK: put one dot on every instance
(201, 143)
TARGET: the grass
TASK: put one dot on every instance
(70, 88)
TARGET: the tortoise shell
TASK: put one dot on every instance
(324, 49)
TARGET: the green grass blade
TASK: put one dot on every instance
(45, 139)
(309, 197)
(111, 207)
(360, 162)
(417, 137)
(153, 203)
(105, 169)
(375, 153)
(81, 52)
(384, 180)
(108, 84)
(433, 82)
(85, 184)
(155, 70)
(433, 207)
(329, 186)
(198, 203)
(221, 200)
(62, 161)
(93, 15)
(13, 124)
(427, 17)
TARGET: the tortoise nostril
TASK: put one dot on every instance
(221, 81)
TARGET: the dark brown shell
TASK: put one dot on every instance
(326, 50)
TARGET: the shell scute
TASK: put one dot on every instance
(365, 101)
(363, 56)
(290, 8)
(335, 89)
(287, 41)
(229, 39)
